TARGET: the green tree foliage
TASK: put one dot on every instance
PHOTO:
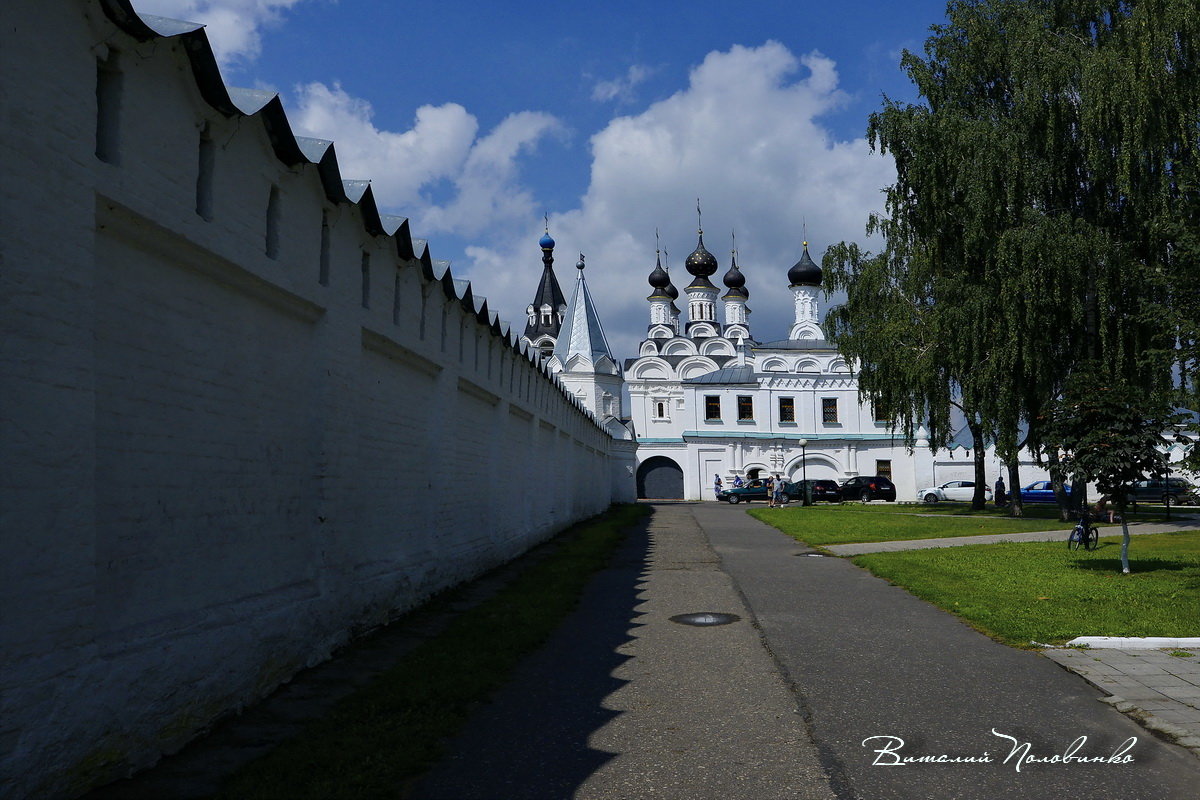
(1112, 436)
(1042, 219)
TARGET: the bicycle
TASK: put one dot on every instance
(1084, 535)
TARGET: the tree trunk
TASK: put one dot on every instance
(977, 445)
(1124, 533)
(1015, 509)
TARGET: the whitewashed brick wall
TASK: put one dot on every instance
(215, 468)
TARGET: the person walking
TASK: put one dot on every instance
(717, 486)
(777, 497)
(1001, 494)
(769, 485)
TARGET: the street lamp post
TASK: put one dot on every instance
(804, 472)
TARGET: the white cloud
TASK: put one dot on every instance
(620, 89)
(443, 146)
(745, 136)
(232, 25)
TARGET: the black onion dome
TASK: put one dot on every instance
(671, 291)
(659, 278)
(805, 272)
(734, 279)
(701, 263)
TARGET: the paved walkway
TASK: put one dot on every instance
(624, 703)
(1135, 529)
(1159, 688)
(869, 659)
(1154, 687)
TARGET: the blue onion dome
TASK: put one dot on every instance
(805, 272)
(701, 263)
(546, 242)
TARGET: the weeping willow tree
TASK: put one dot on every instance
(1042, 217)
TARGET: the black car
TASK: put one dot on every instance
(869, 487)
(827, 491)
(1171, 491)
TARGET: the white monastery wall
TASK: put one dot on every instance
(243, 416)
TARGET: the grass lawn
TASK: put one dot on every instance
(1040, 591)
(392, 730)
(833, 524)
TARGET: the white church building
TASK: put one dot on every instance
(706, 397)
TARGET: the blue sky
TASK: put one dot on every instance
(473, 119)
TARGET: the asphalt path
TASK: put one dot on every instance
(623, 703)
(867, 659)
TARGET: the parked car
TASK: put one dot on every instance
(868, 487)
(825, 490)
(755, 490)
(961, 491)
(1041, 492)
(1169, 492)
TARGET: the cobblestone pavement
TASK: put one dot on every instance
(1158, 688)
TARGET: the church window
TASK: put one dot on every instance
(712, 407)
(879, 416)
(829, 410)
(204, 175)
(396, 301)
(273, 212)
(323, 275)
(366, 279)
(745, 406)
(883, 468)
(787, 409)
(108, 109)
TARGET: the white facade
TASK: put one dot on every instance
(714, 401)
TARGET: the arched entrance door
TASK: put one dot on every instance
(659, 478)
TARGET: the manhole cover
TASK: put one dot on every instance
(703, 618)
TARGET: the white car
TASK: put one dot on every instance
(961, 491)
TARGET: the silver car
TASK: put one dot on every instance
(958, 491)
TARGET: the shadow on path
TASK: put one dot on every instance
(531, 739)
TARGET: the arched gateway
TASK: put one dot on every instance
(659, 478)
